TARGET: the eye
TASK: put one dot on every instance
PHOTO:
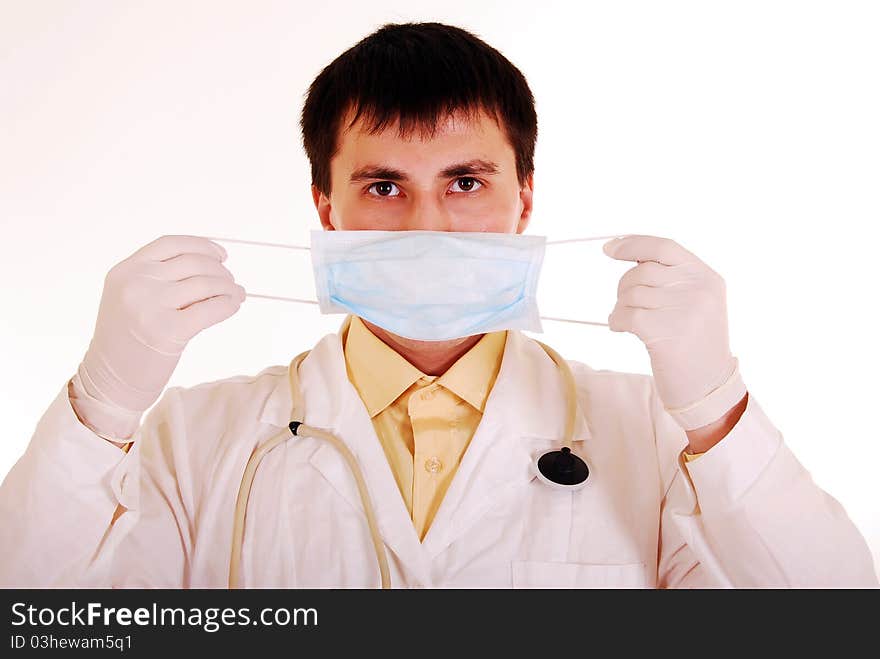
(384, 189)
(466, 184)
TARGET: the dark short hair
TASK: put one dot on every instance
(419, 74)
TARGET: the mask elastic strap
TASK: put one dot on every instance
(256, 242)
(572, 320)
(581, 240)
(262, 244)
(577, 240)
(283, 299)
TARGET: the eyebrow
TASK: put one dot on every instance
(466, 168)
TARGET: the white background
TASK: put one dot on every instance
(746, 131)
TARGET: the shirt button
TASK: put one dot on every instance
(427, 395)
(433, 465)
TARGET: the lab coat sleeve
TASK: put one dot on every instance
(747, 514)
(76, 510)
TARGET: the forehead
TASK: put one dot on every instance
(453, 134)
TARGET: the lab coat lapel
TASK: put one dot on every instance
(332, 403)
(523, 417)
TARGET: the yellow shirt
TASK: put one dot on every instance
(424, 422)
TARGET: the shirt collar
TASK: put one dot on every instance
(471, 377)
(381, 375)
(527, 378)
(378, 373)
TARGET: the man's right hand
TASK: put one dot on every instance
(153, 303)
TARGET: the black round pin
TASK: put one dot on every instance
(563, 467)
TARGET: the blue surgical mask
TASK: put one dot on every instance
(430, 285)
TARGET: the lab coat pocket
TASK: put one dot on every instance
(543, 574)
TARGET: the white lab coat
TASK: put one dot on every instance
(745, 514)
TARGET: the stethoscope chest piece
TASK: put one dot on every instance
(562, 469)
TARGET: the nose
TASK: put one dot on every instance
(428, 214)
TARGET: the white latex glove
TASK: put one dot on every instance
(153, 303)
(677, 306)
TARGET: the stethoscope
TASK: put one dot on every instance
(559, 468)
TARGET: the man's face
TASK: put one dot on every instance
(461, 179)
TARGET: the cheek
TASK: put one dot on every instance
(358, 214)
(494, 213)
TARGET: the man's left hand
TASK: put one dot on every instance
(676, 305)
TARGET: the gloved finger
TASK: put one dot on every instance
(209, 312)
(648, 248)
(637, 320)
(620, 319)
(181, 267)
(651, 273)
(167, 247)
(649, 297)
(195, 289)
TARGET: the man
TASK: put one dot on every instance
(418, 127)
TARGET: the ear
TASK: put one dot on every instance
(322, 205)
(525, 197)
